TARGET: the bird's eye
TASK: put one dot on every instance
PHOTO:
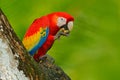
(61, 21)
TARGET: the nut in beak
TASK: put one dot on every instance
(64, 32)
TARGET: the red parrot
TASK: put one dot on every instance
(42, 33)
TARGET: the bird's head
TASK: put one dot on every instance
(61, 21)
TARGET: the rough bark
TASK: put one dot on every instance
(17, 64)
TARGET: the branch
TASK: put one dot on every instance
(17, 64)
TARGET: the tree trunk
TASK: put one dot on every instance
(17, 64)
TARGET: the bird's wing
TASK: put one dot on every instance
(36, 35)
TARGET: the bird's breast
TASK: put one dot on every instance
(49, 42)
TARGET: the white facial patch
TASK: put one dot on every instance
(70, 25)
(61, 21)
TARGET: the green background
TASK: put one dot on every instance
(92, 51)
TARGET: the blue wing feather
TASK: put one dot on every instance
(40, 43)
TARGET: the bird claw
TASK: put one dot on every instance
(59, 34)
(46, 58)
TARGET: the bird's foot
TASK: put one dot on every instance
(61, 33)
(58, 35)
(46, 58)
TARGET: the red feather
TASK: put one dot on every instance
(35, 26)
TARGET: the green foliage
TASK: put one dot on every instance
(92, 51)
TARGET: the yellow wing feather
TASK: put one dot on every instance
(31, 41)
